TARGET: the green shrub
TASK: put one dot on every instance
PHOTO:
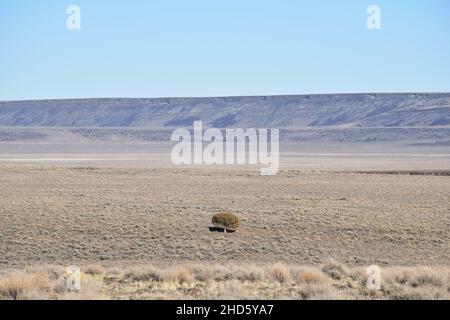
(226, 220)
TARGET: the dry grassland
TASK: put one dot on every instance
(236, 281)
(142, 233)
(82, 215)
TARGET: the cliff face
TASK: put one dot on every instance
(346, 110)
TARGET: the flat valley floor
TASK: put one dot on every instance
(125, 215)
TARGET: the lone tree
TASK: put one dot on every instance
(226, 221)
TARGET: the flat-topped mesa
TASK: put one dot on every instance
(283, 111)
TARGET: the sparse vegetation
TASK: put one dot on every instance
(111, 216)
(231, 281)
(334, 269)
(93, 269)
(311, 275)
(280, 273)
(142, 273)
(177, 274)
(108, 218)
(25, 286)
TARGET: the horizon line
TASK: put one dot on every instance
(234, 96)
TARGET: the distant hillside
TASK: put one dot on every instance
(346, 110)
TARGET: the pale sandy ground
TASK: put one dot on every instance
(302, 156)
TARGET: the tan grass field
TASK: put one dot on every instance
(125, 219)
(228, 281)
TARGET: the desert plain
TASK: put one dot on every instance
(138, 226)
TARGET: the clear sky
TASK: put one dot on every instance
(161, 48)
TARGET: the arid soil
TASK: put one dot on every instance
(66, 214)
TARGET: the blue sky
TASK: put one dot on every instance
(165, 48)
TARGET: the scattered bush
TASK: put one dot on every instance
(427, 277)
(419, 277)
(235, 290)
(226, 220)
(25, 286)
(93, 269)
(178, 274)
(90, 290)
(229, 281)
(335, 270)
(422, 293)
(311, 276)
(314, 291)
(280, 273)
(143, 273)
(250, 273)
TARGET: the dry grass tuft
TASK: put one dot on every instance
(418, 277)
(93, 269)
(311, 275)
(315, 291)
(280, 273)
(427, 277)
(235, 290)
(25, 286)
(204, 271)
(178, 274)
(249, 273)
(335, 270)
(91, 289)
(143, 273)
